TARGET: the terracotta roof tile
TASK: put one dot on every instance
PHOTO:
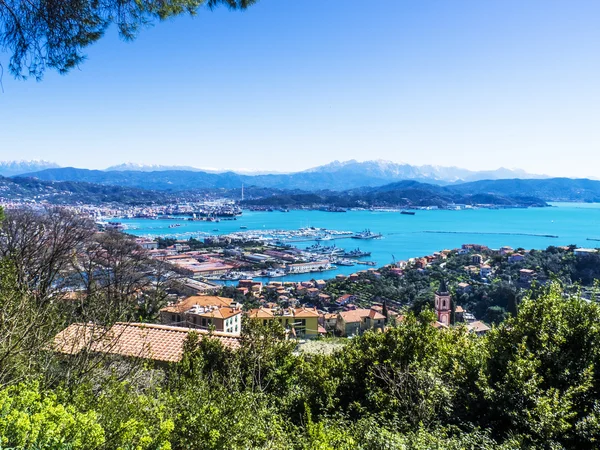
(138, 340)
(356, 315)
(260, 313)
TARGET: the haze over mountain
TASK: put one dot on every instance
(392, 171)
(12, 168)
(149, 168)
(334, 176)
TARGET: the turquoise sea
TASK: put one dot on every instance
(406, 236)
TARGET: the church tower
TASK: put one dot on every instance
(443, 307)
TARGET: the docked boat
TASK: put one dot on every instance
(344, 262)
(114, 226)
(325, 250)
(367, 263)
(367, 234)
(275, 273)
(358, 253)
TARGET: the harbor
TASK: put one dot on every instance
(402, 236)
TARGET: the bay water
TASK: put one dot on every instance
(407, 236)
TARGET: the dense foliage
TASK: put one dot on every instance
(532, 382)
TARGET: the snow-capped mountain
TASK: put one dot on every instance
(391, 171)
(12, 168)
(150, 168)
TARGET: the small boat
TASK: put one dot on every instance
(243, 228)
(215, 229)
(408, 213)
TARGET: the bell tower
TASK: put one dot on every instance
(443, 307)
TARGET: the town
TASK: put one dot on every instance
(459, 285)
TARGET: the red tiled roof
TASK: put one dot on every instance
(260, 313)
(138, 340)
(376, 315)
(355, 315)
(305, 312)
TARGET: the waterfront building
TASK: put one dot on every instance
(148, 244)
(313, 266)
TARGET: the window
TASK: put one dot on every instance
(173, 318)
(203, 322)
(265, 322)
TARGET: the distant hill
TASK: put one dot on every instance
(72, 192)
(11, 168)
(337, 176)
(551, 189)
(404, 194)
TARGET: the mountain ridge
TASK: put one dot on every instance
(338, 176)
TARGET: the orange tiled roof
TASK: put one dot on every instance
(354, 315)
(200, 300)
(260, 313)
(305, 312)
(138, 340)
(376, 315)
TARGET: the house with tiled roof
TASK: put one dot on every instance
(204, 312)
(478, 327)
(345, 299)
(328, 321)
(135, 340)
(302, 321)
(357, 321)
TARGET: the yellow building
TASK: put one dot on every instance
(302, 322)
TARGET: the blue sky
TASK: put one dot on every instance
(290, 84)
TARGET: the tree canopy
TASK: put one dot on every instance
(52, 34)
